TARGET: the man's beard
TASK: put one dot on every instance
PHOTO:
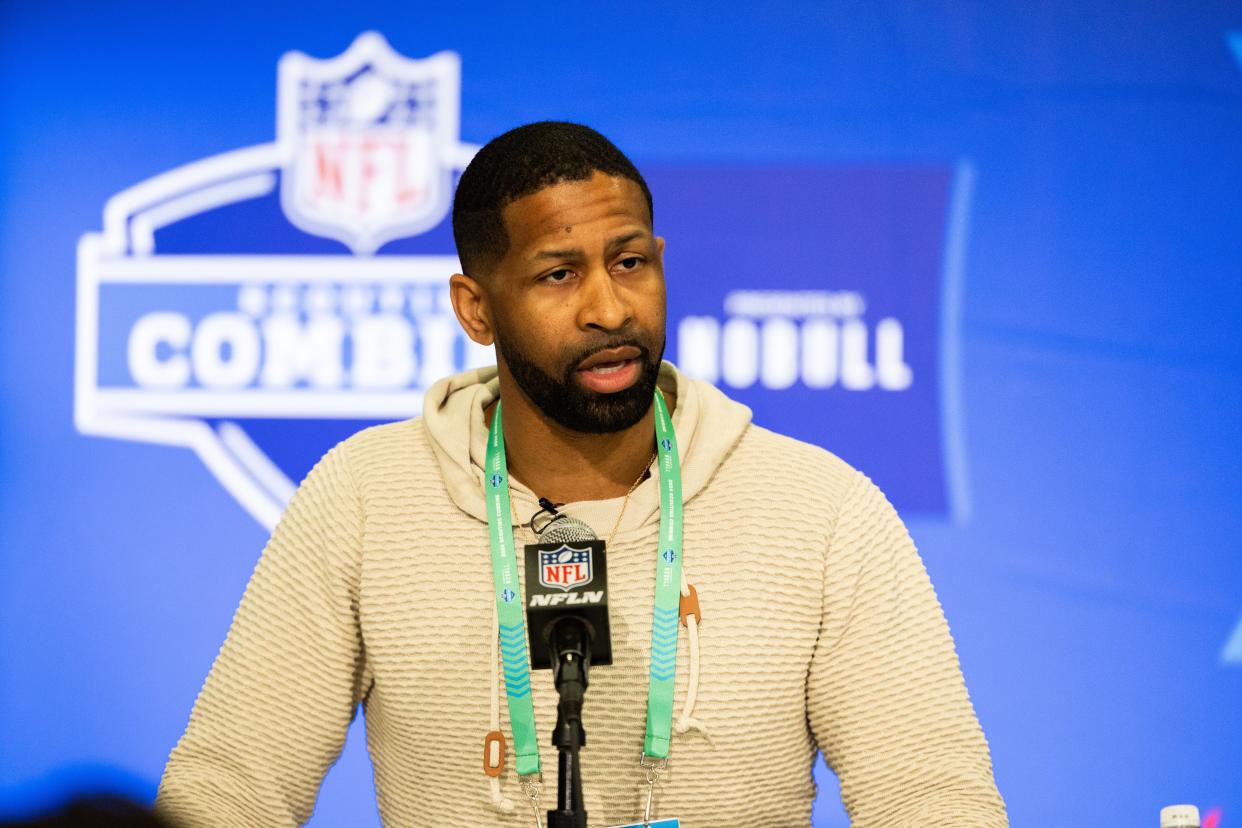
(576, 408)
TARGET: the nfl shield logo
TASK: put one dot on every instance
(369, 142)
(565, 568)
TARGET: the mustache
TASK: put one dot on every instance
(576, 359)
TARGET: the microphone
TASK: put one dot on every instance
(567, 576)
(565, 528)
(567, 627)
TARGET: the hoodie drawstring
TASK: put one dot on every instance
(499, 800)
(690, 617)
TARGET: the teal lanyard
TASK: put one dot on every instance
(509, 605)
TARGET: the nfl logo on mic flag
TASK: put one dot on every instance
(565, 568)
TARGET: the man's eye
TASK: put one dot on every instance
(557, 276)
(630, 263)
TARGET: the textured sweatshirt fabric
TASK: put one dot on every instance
(820, 629)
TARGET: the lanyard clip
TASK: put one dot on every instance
(655, 768)
(532, 786)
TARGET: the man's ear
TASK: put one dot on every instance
(470, 305)
(660, 249)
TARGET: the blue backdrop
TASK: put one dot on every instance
(987, 253)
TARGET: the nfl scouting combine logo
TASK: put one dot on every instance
(206, 320)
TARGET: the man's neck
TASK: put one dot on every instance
(566, 466)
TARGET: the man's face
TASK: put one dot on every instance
(578, 303)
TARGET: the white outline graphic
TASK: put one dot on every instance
(1232, 652)
(952, 411)
(125, 253)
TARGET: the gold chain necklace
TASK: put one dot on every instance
(642, 475)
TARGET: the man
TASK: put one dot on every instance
(819, 627)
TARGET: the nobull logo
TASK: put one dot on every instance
(777, 338)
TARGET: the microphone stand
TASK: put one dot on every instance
(569, 639)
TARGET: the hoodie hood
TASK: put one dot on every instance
(708, 425)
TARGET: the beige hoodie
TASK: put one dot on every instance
(820, 630)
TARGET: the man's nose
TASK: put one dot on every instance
(604, 305)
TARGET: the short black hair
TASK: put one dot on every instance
(520, 162)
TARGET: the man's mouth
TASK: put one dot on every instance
(610, 370)
(609, 367)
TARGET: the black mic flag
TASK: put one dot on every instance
(567, 578)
